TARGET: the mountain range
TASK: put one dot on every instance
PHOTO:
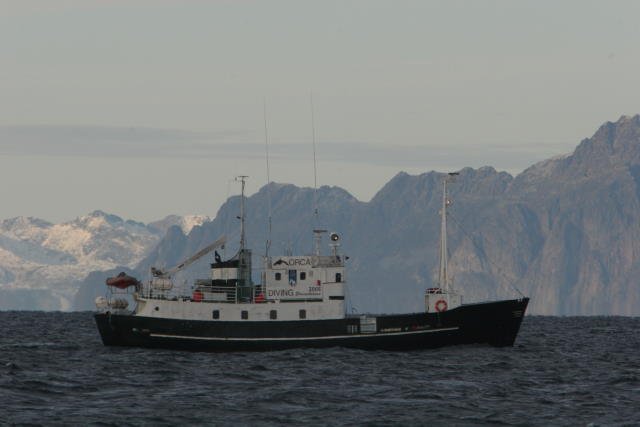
(41, 263)
(565, 232)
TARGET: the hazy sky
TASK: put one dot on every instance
(144, 108)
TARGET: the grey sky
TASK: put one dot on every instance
(148, 107)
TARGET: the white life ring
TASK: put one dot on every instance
(441, 305)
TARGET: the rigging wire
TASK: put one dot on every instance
(510, 280)
(315, 168)
(266, 148)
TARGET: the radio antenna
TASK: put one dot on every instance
(315, 167)
(266, 149)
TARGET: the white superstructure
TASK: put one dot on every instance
(310, 287)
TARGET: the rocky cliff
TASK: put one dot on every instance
(565, 231)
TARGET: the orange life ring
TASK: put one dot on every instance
(441, 305)
(197, 296)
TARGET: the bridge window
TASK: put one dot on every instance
(216, 314)
(273, 314)
(244, 314)
(338, 277)
(303, 275)
(278, 276)
(303, 314)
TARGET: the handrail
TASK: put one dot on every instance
(205, 292)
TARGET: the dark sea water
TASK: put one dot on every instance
(562, 371)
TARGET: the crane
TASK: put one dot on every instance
(156, 272)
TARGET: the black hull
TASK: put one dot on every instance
(493, 323)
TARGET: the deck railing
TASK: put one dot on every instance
(205, 292)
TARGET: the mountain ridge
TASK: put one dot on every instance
(565, 231)
(42, 263)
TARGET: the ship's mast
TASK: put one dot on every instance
(317, 232)
(317, 241)
(443, 279)
(242, 179)
(244, 255)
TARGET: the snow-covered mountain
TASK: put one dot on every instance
(186, 222)
(41, 263)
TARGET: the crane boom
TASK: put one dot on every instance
(193, 258)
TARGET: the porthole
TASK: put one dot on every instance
(273, 314)
(244, 314)
(216, 314)
(303, 314)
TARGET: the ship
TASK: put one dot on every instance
(298, 302)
